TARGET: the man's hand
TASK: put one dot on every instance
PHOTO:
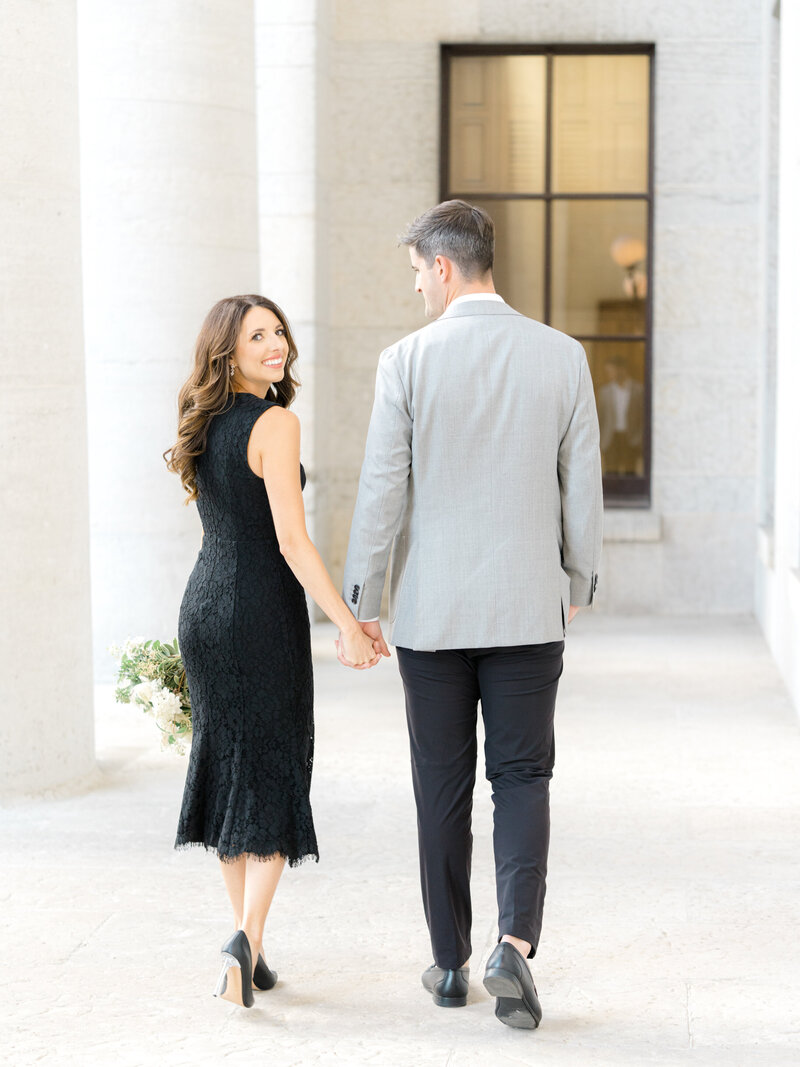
(573, 611)
(373, 630)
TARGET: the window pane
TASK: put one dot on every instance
(599, 265)
(497, 124)
(600, 124)
(618, 375)
(519, 253)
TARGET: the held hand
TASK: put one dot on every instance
(373, 630)
(573, 611)
(355, 649)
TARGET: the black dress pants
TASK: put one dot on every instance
(516, 687)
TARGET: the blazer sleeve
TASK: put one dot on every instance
(581, 486)
(382, 492)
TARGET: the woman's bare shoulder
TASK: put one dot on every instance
(276, 421)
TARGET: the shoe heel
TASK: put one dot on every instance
(227, 963)
(502, 984)
(515, 1013)
(449, 1002)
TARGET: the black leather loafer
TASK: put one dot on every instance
(507, 977)
(263, 977)
(448, 988)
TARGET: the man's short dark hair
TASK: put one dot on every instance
(457, 230)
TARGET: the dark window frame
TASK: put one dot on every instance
(618, 490)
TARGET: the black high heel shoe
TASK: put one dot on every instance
(235, 982)
(263, 977)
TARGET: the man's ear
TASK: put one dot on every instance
(444, 266)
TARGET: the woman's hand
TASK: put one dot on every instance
(355, 649)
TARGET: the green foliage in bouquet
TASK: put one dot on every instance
(151, 674)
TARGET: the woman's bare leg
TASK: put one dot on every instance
(260, 882)
(233, 874)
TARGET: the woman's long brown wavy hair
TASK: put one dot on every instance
(208, 390)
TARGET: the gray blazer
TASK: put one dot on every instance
(482, 479)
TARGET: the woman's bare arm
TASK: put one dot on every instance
(274, 454)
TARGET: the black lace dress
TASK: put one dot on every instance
(245, 641)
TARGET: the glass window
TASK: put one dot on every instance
(497, 124)
(600, 126)
(555, 143)
(590, 238)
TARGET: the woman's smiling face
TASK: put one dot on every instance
(261, 352)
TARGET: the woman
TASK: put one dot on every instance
(243, 628)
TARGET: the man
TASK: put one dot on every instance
(620, 408)
(482, 479)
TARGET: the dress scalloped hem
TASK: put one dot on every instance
(293, 861)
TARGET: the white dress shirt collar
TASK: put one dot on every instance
(476, 296)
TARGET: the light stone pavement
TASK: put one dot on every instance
(672, 916)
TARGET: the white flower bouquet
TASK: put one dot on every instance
(151, 674)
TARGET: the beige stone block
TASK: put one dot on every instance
(386, 121)
(540, 23)
(698, 207)
(392, 207)
(394, 61)
(359, 349)
(371, 281)
(707, 277)
(710, 135)
(621, 20)
(376, 290)
(705, 426)
(401, 20)
(355, 392)
(710, 348)
(630, 578)
(702, 579)
(684, 493)
(700, 60)
(631, 525)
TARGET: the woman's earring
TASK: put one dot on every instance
(232, 369)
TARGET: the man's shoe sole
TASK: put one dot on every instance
(512, 1008)
(449, 1002)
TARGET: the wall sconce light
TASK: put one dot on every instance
(630, 254)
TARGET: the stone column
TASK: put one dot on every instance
(780, 602)
(46, 722)
(170, 226)
(290, 69)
